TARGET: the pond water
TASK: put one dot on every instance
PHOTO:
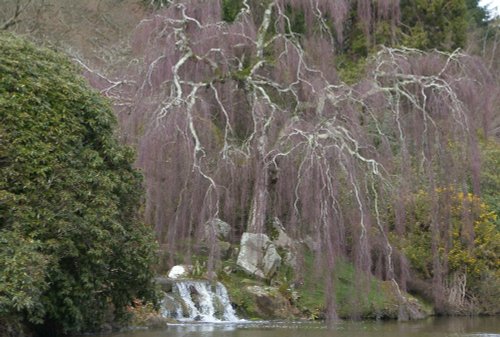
(432, 327)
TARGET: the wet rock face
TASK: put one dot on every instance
(270, 303)
(164, 283)
(171, 307)
(258, 255)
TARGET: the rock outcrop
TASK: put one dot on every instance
(284, 242)
(165, 284)
(217, 229)
(258, 255)
(269, 303)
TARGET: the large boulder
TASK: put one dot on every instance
(224, 249)
(258, 255)
(218, 229)
(284, 242)
(269, 303)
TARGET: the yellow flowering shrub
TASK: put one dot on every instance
(463, 229)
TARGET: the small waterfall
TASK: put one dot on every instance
(198, 301)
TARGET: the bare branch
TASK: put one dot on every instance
(15, 18)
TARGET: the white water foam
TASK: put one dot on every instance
(199, 301)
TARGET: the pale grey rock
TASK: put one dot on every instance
(290, 259)
(218, 229)
(258, 255)
(286, 243)
(282, 239)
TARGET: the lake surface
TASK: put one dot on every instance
(432, 327)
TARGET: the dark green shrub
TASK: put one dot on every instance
(71, 243)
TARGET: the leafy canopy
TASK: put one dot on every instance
(71, 242)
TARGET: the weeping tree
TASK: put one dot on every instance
(242, 115)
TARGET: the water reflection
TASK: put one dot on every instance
(434, 327)
(202, 327)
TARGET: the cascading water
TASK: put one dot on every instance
(198, 301)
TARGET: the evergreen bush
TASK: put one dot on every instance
(72, 246)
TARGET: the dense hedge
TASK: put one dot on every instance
(73, 252)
